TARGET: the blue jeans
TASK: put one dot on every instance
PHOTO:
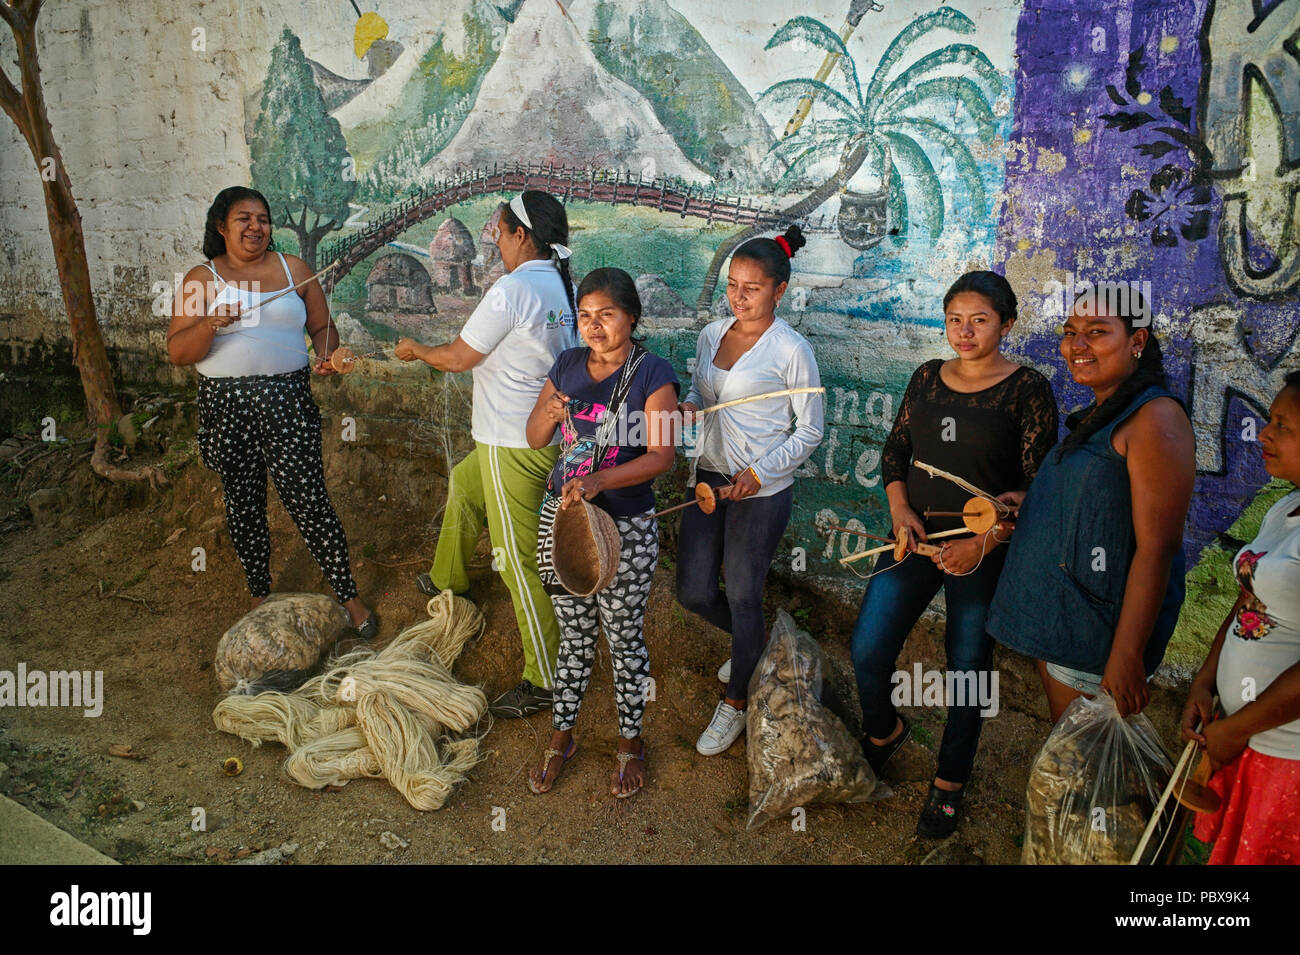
(740, 539)
(893, 603)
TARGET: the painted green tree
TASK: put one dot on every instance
(894, 114)
(300, 159)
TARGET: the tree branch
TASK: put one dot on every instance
(20, 14)
(12, 14)
(11, 101)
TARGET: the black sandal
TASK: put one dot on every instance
(941, 814)
(369, 628)
(878, 754)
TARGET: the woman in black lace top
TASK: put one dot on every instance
(994, 438)
(990, 421)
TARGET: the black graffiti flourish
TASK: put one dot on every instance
(1176, 202)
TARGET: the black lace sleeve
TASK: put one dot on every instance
(896, 456)
(1039, 423)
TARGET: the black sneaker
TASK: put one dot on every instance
(941, 813)
(523, 700)
(879, 754)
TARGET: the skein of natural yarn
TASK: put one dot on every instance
(379, 714)
(333, 759)
(284, 717)
(406, 749)
(453, 622)
(426, 688)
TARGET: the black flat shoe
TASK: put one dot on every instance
(425, 583)
(523, 700)
(879, 754)
(941, 814)
(369, 629)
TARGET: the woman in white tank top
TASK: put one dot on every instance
(256, 411)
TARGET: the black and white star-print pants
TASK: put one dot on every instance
(260, 423)
(620, 610)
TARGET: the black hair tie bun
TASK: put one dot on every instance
(793, 240)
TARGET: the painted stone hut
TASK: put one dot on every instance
(489, 267)
(399, 283)
(658, 300)
(451, 257)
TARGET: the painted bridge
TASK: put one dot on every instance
(613, 186)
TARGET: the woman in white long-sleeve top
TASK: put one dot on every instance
(750, 452)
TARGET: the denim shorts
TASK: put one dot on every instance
(1081, 680)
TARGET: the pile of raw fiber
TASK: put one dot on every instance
(397, 714)
(1094, 786)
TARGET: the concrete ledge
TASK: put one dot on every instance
(27, 839)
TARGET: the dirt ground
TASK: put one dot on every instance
(107, 585)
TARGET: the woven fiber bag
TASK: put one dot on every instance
(586, 548)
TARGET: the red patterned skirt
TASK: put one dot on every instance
(1258, 822)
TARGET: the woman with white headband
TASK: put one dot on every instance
(511, 341)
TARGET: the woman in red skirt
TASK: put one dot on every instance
(1254, 664)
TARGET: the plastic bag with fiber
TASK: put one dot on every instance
(799, 751)
(280, 643)
(1093, 787)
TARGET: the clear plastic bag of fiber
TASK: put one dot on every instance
(799, 751)
(280, 643)
(1094, 786)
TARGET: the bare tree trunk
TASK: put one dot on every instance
(27, 110)
(309, 239)
(307, 249)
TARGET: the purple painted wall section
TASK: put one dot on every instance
(1229, 305)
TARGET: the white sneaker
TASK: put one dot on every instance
(724, 672)
(723, 730)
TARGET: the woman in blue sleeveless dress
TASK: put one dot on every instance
(1093, 580)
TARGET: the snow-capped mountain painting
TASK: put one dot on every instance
(547, 99)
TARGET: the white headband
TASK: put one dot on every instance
(517, 207)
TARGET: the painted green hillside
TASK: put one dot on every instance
(391, 147)
(655, 50)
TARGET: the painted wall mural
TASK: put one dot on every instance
(1151, 141)
(890, 154)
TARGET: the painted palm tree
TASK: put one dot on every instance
(893, 118)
